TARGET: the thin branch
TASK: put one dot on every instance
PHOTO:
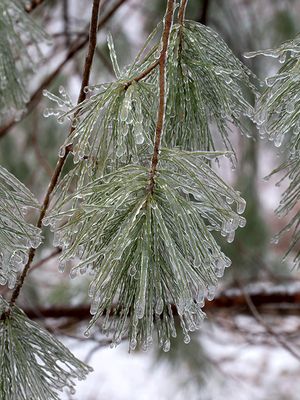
(94, 349)
(55, 253)
(143, 74)
(74, 49)
(61, 161)
(181, 12)
(162, 92)
(278, 337)
(65, 10)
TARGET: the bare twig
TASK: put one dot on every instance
(162, 92)
(55, 253)
(277, 336)
(143, 74)
(61, 161)
(65, 9)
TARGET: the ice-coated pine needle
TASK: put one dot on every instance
(278, 118)
(17, 29)
(150, 252)
(33, 363)
(16, 234)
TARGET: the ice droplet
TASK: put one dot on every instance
(241, 206)
(166, 346)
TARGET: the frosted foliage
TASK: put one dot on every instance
(278, 117)
(148, 252)
(33, 363)
(289, 204)
(17, 29)
(277, 111)
(114, 125)
(208, 89)
(16, 235)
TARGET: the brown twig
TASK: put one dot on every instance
(75, 47)
(162, 92)
(55, 253)
(142, 75)
(61, 161)
(181, 12)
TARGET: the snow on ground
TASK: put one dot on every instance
(240, 371)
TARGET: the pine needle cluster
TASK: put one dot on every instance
(277, 115)
(33, 363)
(148, 241)
(16, 234)
(17, 30)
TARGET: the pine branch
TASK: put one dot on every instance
(61, 161)
(162, 92)
(119, 220)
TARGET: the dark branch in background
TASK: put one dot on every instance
(234, 300)
(61, 161)
(204, 12)
(65, 7)
(75, 47)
